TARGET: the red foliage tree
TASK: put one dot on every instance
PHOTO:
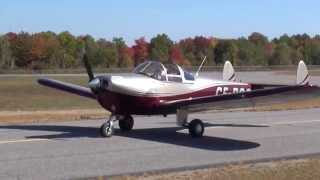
(140, 51)
(127, 57)
(201, 43)
(176, 56)
(187, 44)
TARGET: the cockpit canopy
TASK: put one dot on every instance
(164, 72)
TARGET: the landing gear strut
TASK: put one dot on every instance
(125, 124)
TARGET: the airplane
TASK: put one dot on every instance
(154, 88)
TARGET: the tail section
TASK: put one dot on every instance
(228, 73)
(303, 76)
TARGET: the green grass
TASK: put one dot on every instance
(25, 94)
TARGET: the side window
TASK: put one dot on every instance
(174, 78)
(173, 73)
(172, 69)
(188, 76)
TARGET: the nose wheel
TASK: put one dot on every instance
(106, 129)
(196, 128)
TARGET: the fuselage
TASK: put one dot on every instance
(142, 95)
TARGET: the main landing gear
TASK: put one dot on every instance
(196, 126)
(125, 123)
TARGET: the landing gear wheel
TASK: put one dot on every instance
(196, 128)
(126, 124)
(106, 129)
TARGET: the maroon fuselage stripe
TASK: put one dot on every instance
(145, 105)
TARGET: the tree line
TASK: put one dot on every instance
(46, 50)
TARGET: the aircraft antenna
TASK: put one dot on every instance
(201, 65)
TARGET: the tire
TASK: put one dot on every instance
(126, 124)
(106, 130)
(196, 128)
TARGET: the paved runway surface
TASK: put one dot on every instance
(75, 150)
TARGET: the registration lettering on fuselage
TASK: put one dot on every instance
(231, 90)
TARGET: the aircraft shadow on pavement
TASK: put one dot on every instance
(167, 135)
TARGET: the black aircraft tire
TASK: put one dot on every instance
(196, 128)
(106, 130)
(126, 124)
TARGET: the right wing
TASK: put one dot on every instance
(67, 87)
(261, 94)
(260, 97)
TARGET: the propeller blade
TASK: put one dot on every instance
(88, 67)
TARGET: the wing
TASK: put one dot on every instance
(253, 98)
(67, 87)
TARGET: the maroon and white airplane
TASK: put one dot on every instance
(161, 89)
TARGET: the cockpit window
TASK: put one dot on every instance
(151, 69)
(172, 69)
(188, 76)
(167, 72)
(173, 73)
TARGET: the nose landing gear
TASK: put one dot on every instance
(125, 123)
(106, 129)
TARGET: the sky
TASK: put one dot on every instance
(146, 18)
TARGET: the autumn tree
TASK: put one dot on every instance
(282, 55)
(21, 45)
(226, 50)
(176, 55)
(140, 50)
(127, 57)
(160, 48)
(107, 53)
(188, 48)
(68, 52)
(6, 58)
(204, 46)
(64, 50)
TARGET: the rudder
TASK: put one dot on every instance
(228, 73)
(303, 76)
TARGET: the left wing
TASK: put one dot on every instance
(67, 87)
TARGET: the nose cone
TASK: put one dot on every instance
(94, 83)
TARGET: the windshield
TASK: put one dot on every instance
(151, 69)
(166, 72)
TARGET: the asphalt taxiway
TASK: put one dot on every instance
(75, 149)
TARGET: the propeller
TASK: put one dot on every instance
(96, 84)
(88, 67)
